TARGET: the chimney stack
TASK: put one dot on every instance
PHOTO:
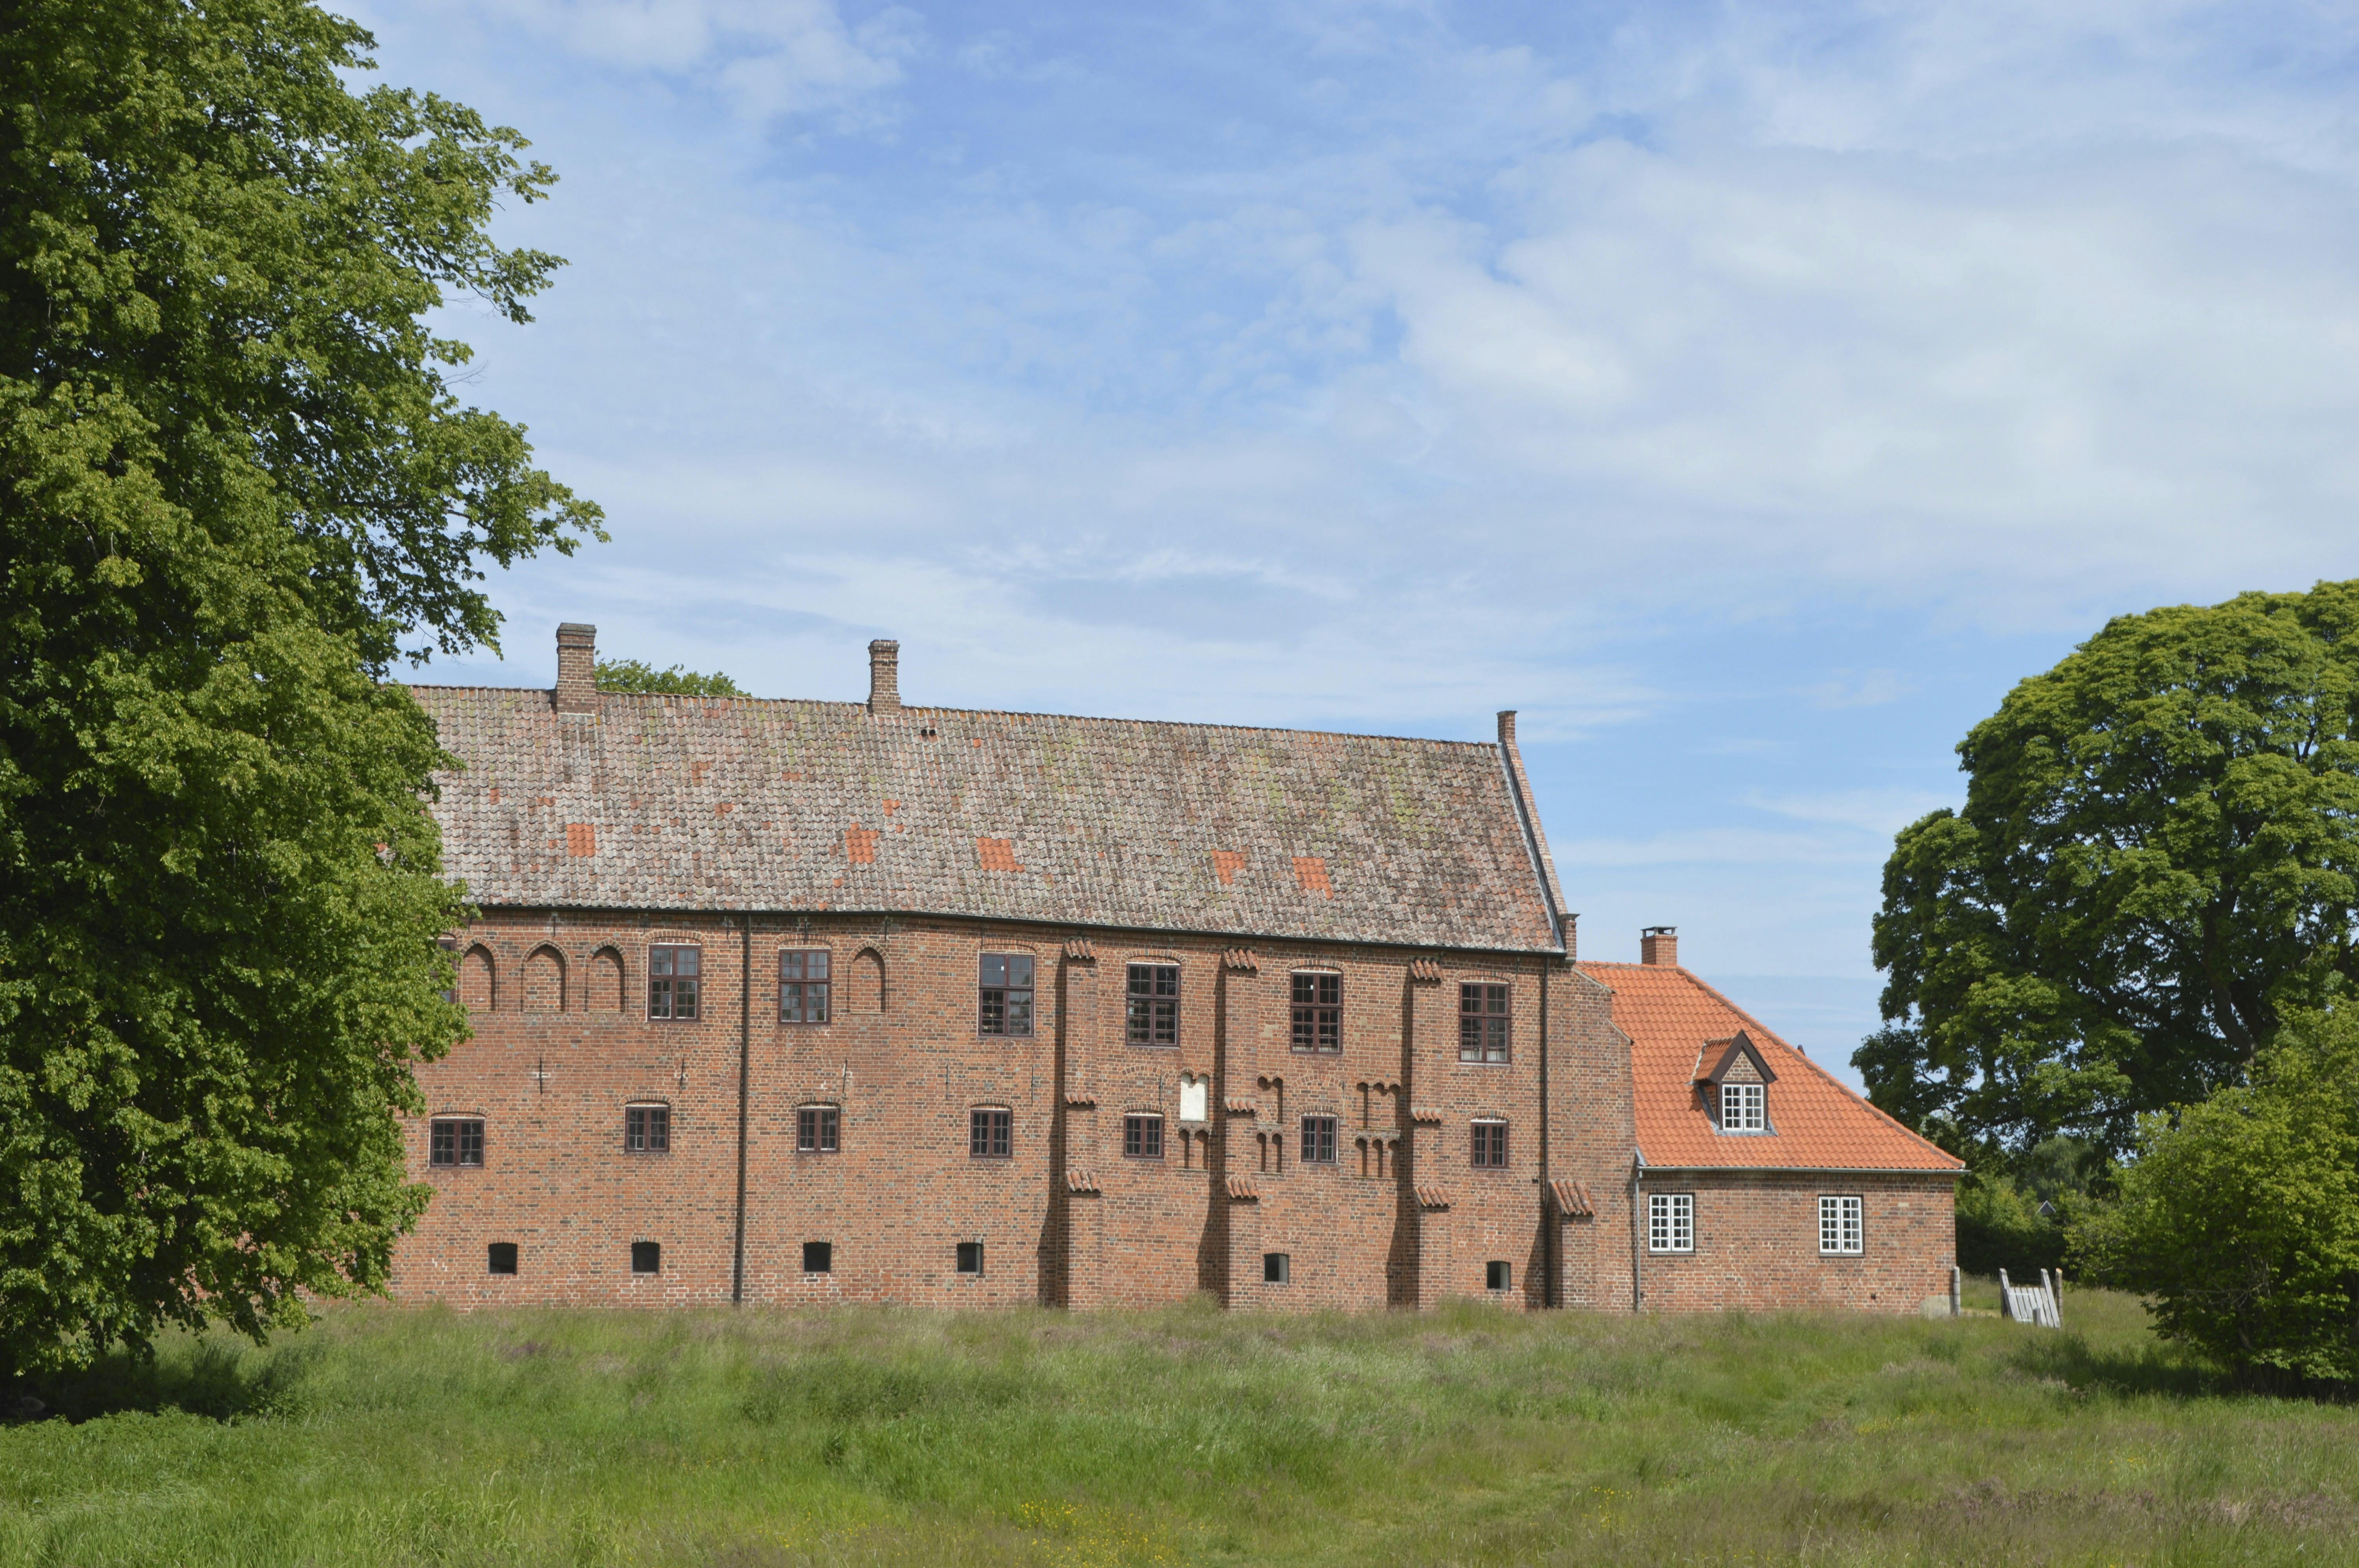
(884, 676)
(1659, 945)
(577, 668)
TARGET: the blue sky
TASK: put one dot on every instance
(1747, 395)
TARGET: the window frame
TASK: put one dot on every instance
(1324, 1146)
(1278, 1268)
(460, 1144)
(1137, 1128)
(1848, 1219)
(647, 1126)
(1488, 1144)
(801, 987)
(667, 984)
(493, 1258)
(1753, 1112)
(825, 1253)
(1316, 1018)
(990, 1132)
(1151, 1015)
(652, 1252)
(1670, 1225)
(818, 1128)
(958, 1260)
(1003, 995)
(1499, 1275)
(1478, 1026)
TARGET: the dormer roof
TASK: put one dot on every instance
(1717, 1058)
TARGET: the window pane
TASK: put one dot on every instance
(994, 969)
(816, 963)
(1020, 970)
(790, 966)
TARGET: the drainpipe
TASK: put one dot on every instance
(1637, 1232)
(745, 1080)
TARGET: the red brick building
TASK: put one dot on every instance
(795, 1001)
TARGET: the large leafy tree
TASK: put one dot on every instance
(2157, 860)
(234, 488)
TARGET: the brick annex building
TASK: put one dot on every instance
(795, 1001)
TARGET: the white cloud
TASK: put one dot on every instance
(1878, 812)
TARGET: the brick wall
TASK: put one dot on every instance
(1757, 1243)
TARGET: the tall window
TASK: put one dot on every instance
(1318, 1012)
(988, 1133)
(1318, 1140)
(646, 1129)
(1670, 1222)
(1842, 1230)
(671, 981)
(1155, 1004)
(1482, 1023)
(1490, 1145)
(816, 1128)
(1006, 986)
(802, 986)
(454, 1140)
(1743, 1108)
(1142, 1136)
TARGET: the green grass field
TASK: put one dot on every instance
(1470, 1436)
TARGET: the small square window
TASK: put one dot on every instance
(646, 1256)
(502, 1257)
(803, 981)
(1670, 1222)
(1318, 1140)
(819, 1257)
(816, 1128)
(1490, 1146)
(1483, 1021)
(1007, 994)
(1142, 1136)
(970, 1256)
(646, 1129)
(1498, 1274)
(1318, 1012)
(1154, 1004)
(1277, 1268)
(454, 1140)
(673, 975)
(1743, 1109)
(989, 1134)
(1842, 1230)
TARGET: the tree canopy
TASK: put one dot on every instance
(2156, 863)
(634, 675)
(236, 486)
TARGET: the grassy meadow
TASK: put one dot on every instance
(877, 1436)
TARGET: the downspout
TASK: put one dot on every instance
(1551, 1222)
(745, 1080)
(1638, 1233)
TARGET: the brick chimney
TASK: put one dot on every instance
(1659, 945)
(577, 668)
(884, 675)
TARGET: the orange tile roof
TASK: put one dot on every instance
(1819, 1125)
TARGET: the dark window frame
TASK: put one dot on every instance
(1499, 1275)
(1278, 1268)
(805, 991)
(1322, 1140)
(990, 1132)
(818, 1128)
(1318, 1011)
(1151, 1003)
(449, 1140)
(646, 1256)
(674, 993)
(1485, 1022)
(647, 1126)
(502, 1252)
(968, 1259)
(1004, 1010)
(1489, 1152)
(819, 1257)
(1142, 1135)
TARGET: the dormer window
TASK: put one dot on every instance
(1733, 1081)
(1743, 1108)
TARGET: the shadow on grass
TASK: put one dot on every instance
(216, 1378)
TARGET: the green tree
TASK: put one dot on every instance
(632, 674)
(2159, 858)
(234, 487)
(2240, 1219)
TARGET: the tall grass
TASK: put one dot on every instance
(1468, 1436)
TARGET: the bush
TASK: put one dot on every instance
(2000, 1226)
(2241, 1221)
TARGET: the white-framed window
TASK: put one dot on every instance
(1670, 1222)
(1843, 1229)
(1743, 1107)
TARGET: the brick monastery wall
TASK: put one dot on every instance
(563, 1043)
(1756, 1242)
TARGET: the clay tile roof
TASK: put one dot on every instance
(1241, 1188)
(1432, 1197)
(1243, 1107)
(1819, 1125)
(1080, 1181)
(1571, 1198)
(1013, 816)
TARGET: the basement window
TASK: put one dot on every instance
(1498, 1274)
(646, 1256)
(819, 1257)
(970, 1256)
(501, 1258)
(1277, 1268)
